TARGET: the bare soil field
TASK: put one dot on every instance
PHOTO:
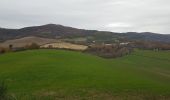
(65, 45)
(26, 41)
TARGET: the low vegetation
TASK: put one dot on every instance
(4, 50)
(3, 91)
(110, 50)
(32, 46)
(68, 75)
(149, 45)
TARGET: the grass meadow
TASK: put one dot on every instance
(68, 75)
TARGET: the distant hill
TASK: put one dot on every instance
(148, 36)
(47, 31)
(53, 31)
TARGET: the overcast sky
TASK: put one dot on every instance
(108, 15)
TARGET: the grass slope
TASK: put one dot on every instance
(67, 73)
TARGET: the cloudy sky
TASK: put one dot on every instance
(108, 15)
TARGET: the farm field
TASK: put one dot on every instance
(69, 75)
(21, 42)
(65, 45)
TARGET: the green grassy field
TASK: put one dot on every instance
(143, 75)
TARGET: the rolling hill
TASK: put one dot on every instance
(53, 31)
(68, 75)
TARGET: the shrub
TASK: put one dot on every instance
(4, 50)
(32, 46)
(3, 91)
(150, 45)
(10, 46)
(109, 51)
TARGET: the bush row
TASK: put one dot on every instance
(151, 45)
(109, 51)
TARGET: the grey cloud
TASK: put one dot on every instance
(136, 15)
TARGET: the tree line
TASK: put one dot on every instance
(109, 50)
